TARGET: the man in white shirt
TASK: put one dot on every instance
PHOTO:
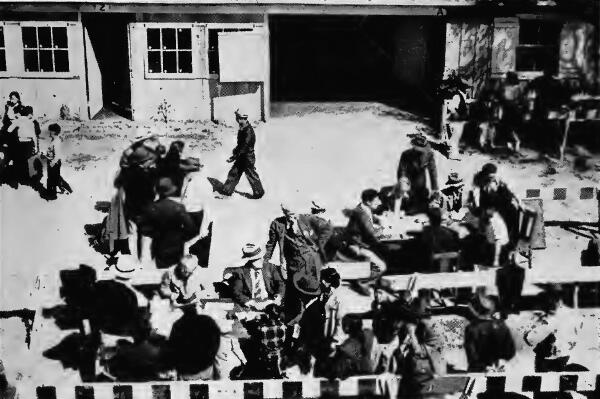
(496, 235)
(183, 284)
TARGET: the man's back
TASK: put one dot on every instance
(170, 226)
(360, 230)
(486, 342)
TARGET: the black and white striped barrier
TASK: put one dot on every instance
(476, 386)
(537, 386)
(358, 387)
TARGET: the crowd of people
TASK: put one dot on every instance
(290, 319)
(29, 155)
(507, 111)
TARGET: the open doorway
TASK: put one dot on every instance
(108, 38)
(396, 60)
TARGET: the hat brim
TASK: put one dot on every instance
(243, 260)
(137, 139)
(315, 292)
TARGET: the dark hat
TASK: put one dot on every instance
(307, 283)
(419, 140)
(316, 207)
(489, 169)
(385, 286)
(454, 180)
(165, 187)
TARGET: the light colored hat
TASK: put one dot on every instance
(240, 115)
(250, 252)
(142, 135)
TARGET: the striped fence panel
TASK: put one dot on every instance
(476, 386)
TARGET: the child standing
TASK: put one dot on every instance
(52, 153)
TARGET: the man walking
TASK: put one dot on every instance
(243, 159)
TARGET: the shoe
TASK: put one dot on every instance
(258, 196)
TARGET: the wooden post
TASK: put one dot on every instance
(565, 134)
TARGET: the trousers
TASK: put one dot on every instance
(240, 166)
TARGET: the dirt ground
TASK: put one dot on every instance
(323, 152)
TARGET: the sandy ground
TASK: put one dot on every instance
(328, 153)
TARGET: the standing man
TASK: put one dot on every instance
(243, 159)
(301, 240)
(414, 163)
(168, 224)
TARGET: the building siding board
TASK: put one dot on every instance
(94, 77)
(185, 98)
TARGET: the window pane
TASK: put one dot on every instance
(29, 37)
(154, 62)
(213, 39)
(185, 61)
(59, 36)
(153, 37)
(169, 62)
(184, 38)
(2, 60)
(46, 61)
(61, 60)
(31, 60)
(1, 37)
(168, 37)
(534, 59)
(44, 37)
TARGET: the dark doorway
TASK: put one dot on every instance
(109, 38)
(393, 59)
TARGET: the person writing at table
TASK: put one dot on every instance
(183, 283)
(362, 239)
(256, 283)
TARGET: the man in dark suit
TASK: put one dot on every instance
(254, 283)
(301, 240)
(362, 241)
(488, 340)
(414, 163)
(243, 159)
(169, 225)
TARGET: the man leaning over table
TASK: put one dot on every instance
(361, 237)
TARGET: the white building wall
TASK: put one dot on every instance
(46, 92)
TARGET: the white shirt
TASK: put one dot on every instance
(368, 211)
(26, 128)
(496, 231)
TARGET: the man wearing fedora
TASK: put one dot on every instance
(301, 240)
(168, 224)
(254, 283)
(243, 159)
(488, 340)
(414, 164)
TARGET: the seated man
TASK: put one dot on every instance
(183, 284)
(255, 284)
(361, 237)
(437, 239)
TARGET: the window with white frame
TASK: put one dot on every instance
(169, 50)
(45, 48)
(2, 51)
